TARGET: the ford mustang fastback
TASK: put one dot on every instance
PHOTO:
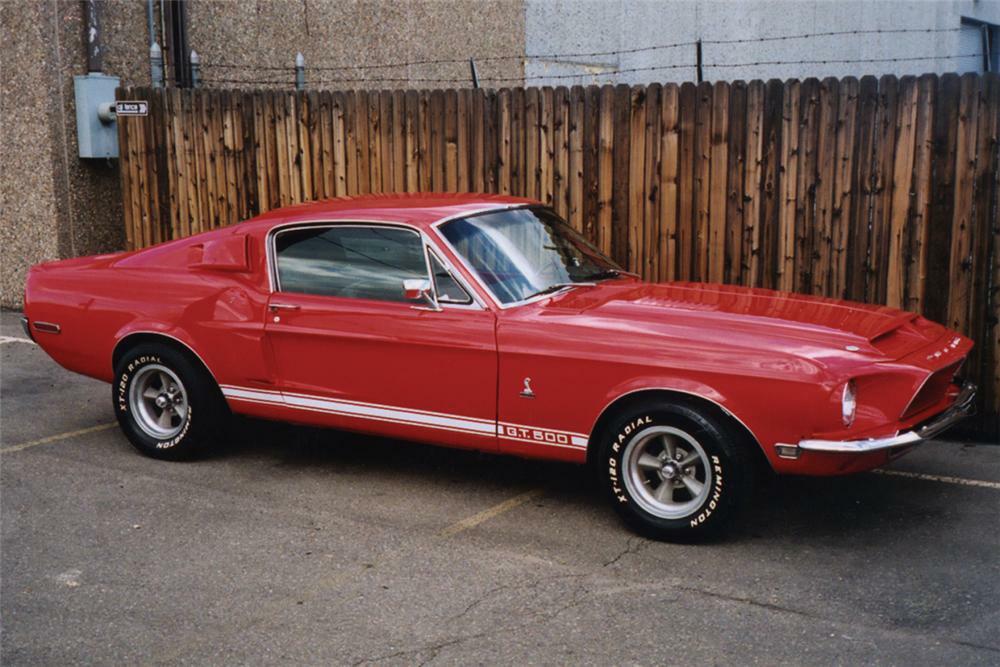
(486, 322)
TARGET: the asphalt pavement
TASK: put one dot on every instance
(295, 545)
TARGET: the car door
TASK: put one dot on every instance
(350, 351)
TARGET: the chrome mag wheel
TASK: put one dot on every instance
(158, 402)
(667, 472)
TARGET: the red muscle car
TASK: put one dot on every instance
(486, 322)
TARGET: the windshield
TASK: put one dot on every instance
(519, 253)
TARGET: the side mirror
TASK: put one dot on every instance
(419, 289)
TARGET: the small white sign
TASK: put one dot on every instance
(132, 108)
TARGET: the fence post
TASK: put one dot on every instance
(300, 71)
(697, 53)
(475, 75)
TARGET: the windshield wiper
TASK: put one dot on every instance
(610, 273)
(556, 287)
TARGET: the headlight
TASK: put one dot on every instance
(849, 403)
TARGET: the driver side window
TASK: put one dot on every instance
(349, 261)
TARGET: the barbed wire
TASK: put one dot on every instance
(576, 75)
(845, 61)
(582, 54)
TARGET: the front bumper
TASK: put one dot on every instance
(963, 406)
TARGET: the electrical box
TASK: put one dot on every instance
(96, 127)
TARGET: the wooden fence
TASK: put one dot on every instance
(879, 190)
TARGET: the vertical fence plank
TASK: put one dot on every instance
(451, 141)
(411, 150)
(847, 114)
(960, 263)
(575, 162)
(789, 168)
(591, 147)
(718, 169)
(491, 139)
(461, 142)
(518, 138)
(648, 259)
(919, 217)
(605, 179)
(260, 151)
(669, 162)
(702, 179)
(902, 177)
(327, 162)
(560, 150)
(425, 142)
(805, 188)
(479, 118)
(125, 134)
(505, 147)
(192, 220)
(546, 150)
(752, 187)
(687, 186)
(531, 131)
(771, 184)
(214, 193)
(887, 129)
(303, 156)
(437, 141)
(282, 151)
(231, 132)
(636, 182)
(398, 154)
(376, 150)
(736, 164)
(862, 204)
(826, 170)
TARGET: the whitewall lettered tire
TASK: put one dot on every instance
(674, 471)
(166, 404)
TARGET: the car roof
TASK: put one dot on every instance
(418, 209)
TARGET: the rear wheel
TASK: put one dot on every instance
(674, 471)
(166, 404)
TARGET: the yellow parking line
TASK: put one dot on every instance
(487, 514)
(940, 478)
(56, 438)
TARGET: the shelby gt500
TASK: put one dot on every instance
(486, 322)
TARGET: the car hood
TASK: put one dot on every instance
(815, 327)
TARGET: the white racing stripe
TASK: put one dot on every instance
(409, 416)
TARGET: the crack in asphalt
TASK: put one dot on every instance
(633, 545)
(533, 618)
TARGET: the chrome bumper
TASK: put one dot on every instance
(961, 408)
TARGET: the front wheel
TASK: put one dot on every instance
(167, 405)
(675, 471)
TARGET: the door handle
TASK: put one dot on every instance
(275, 307)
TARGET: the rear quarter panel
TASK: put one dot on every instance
(97, 303)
